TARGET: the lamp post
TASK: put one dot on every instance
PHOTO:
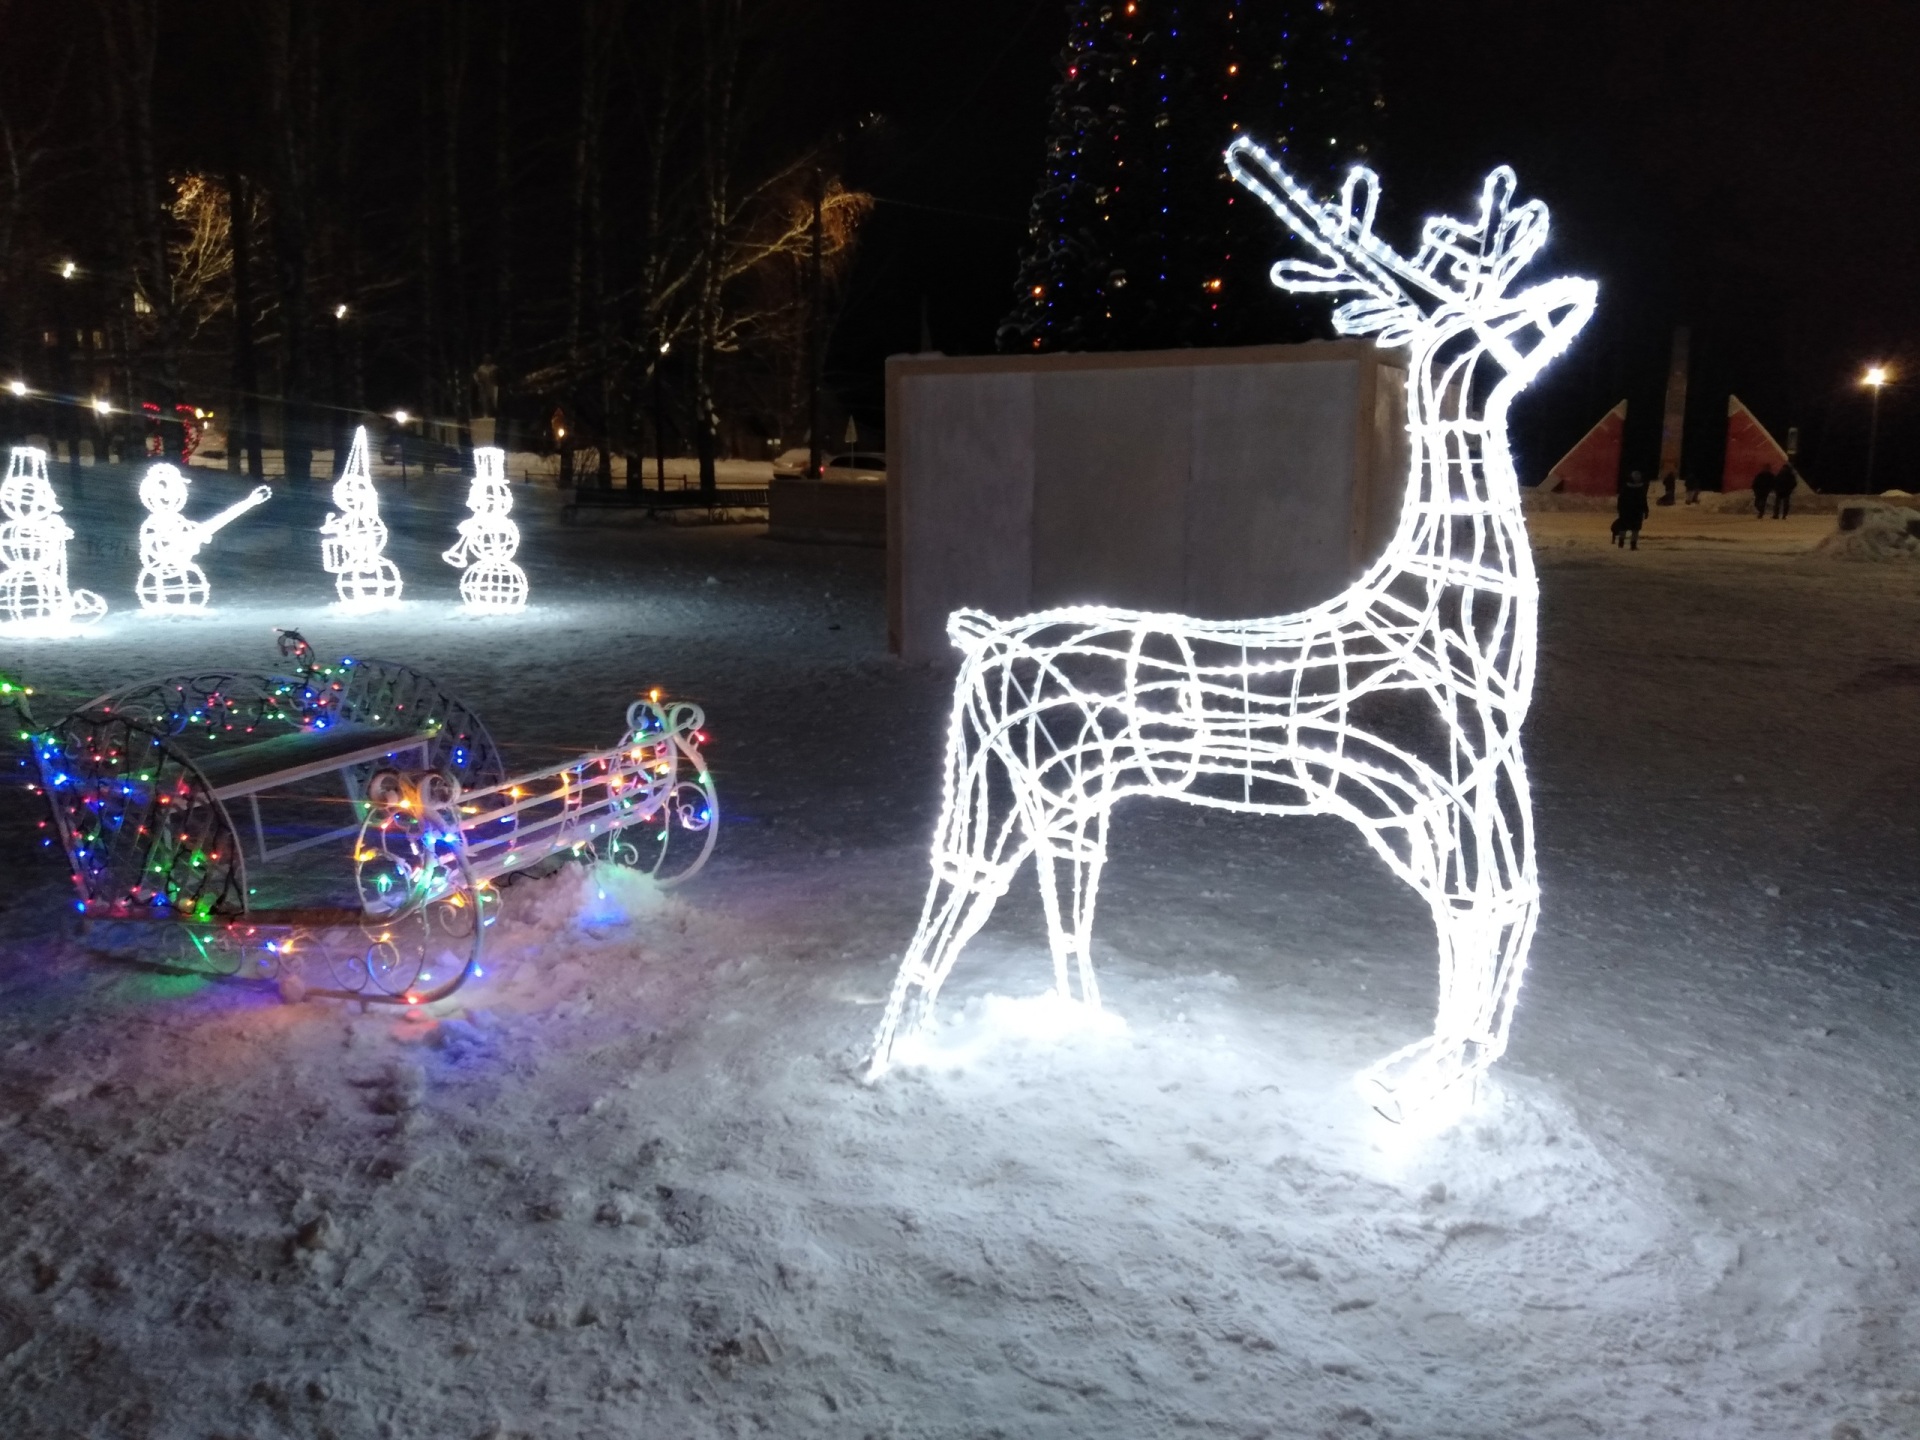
(660, 421)
(1875, 380)
(400, 418)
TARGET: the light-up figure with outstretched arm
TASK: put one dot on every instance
(170, 578)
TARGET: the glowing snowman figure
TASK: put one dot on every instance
(169, 578)
(33, 550)
(488, 540)
(353, 543)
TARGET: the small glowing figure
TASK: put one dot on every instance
(169, 578)
(33, 550)
(353, 543)
(1395, 706)
(488, 540)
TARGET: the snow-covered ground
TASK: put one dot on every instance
(632, 1187)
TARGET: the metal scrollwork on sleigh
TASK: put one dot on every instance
(180, 802)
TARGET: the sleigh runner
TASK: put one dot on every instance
(181, 802)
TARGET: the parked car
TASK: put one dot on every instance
(860, 465)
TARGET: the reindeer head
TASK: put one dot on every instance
(1458, 282)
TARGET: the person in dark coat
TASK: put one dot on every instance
(1631, 509)
(1783, 486)
(1762, 488)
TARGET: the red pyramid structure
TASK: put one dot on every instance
(1592, 467)
(1750, 449)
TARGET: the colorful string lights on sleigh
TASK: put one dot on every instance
(150, 838)
(1058, 715)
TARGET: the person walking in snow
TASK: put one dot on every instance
(1783, 487)
(1762, 488)
(1632, 511)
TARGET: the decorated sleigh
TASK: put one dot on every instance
(182, 803)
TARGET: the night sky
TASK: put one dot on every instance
(1749, 169)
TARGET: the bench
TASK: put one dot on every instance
(249, 771)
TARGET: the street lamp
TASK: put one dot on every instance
(68, 270)
(401, 417)
(102, 406)
(18, 389)
(1875, 380)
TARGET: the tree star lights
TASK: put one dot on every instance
(1395, 706)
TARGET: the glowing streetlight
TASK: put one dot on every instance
(69, 270)
(18, 388)
(102, 406)
(401, 417)
(340, 312)
(665, 346)
(1876, 380)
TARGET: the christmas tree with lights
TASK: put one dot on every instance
(1138, 239)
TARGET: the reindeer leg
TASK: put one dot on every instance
(1483, 936)
(975, 857)
(1079, 852)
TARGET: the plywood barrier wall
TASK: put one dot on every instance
(1215, 483)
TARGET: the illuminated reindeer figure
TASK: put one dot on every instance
(1396, 705)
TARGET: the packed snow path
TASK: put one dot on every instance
(632, 1187)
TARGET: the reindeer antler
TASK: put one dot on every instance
(1461, 263)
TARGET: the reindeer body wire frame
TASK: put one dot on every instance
(1396, 705)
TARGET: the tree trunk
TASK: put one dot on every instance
(346, 360)
(816, 329)
(719, 60)
(291, 111)
(453, 75)
(432, 351)
(246, 364)
(586, 277)
(503, 357)
(130, 37)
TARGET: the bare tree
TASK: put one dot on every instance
(502, 358)
(242, 208)
(587, 325)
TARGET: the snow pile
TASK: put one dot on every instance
(1883, 532)
(632, 1184)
